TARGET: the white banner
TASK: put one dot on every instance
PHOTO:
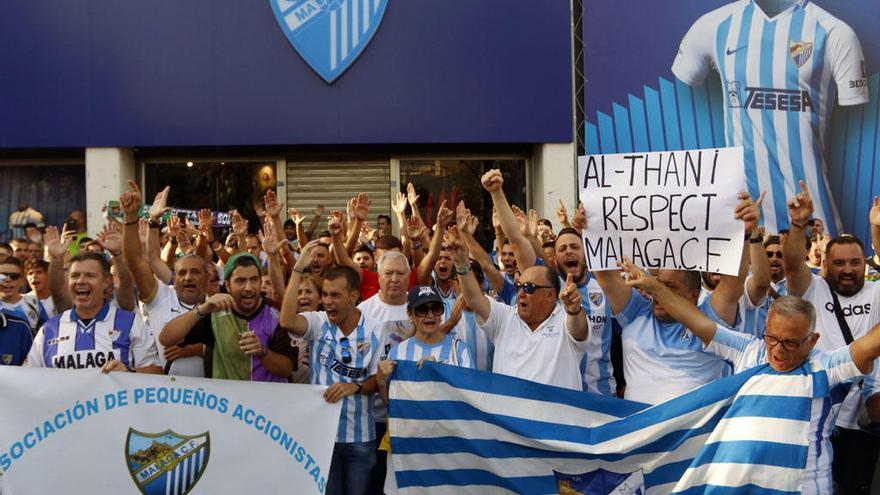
(671, 209)
(84, 432)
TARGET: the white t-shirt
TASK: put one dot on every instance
(47, 304)
(548, 355)
(396, 327)
(861, 314)
(165, 307)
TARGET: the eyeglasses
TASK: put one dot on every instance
(771, 254)
(788, 345)
(529, 288)
(434, 307)
(346, 350)
(11, 276)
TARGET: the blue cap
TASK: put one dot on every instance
(421, 295)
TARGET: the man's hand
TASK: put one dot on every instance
(460, 252)
(176, 352)
(206, 224)
(421, 362)
(217, 302)
(522, 220)
(636, 277)
(110, 237)
(399, 203)
(319, 210)
(335, 227)
(411, 196)
(273, 206)
(492, 181)
(239, 224)
(464, 221)
(269, 238)
(386, 368)
(57, 244)
(113, 365)
(562, 214)
(444, 215)
(748, 211)
(338, 391)
(571, 297)
(360, 206)
(305, 256)
(874, 214)
(579, 222)
(250, 344)
(800, 207)
(131, 201)
(294, 215)
(160, 204)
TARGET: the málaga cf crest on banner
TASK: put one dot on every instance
(329, 34)
(166, 463)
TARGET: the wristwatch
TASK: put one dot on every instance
(360, 386)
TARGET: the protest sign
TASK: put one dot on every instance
(671, 209)
(221, 218)
(84, 432)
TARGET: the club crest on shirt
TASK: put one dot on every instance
(596, 298)
(363, 348)
(158, 460)
(7, 359)
(800, 51)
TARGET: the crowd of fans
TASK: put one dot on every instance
(289, 303)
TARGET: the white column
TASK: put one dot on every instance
(107, 173)
(554, 177)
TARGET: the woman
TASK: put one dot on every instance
(309, 299)
(429, 343)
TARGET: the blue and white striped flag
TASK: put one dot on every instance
(456, 430)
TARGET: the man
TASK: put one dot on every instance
(817, 228)
(388, 307)
(507, 260)
(763, 286)
(383, 225)
(159, 302)
(343, 354)
(597, 374)
(248, 342)
(788, 348)
(76, 222)
(661, 359)
(94, 333)
(23, 216)
(20, 249)
(37, 272)
(363, 256)
(847, 309)
(443, 280)
(321, 259)
(26, 306)
(538, 340)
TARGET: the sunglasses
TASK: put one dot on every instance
(788, 345)
(434, 307)
(771, 254)
(11, 276)
(529, 288)
(346, 350)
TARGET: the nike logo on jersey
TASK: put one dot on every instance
(731, 52)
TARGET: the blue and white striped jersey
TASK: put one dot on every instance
(776, 74)
(412, 349)
(471, 334)
(752, 317)
(28, 308)
(595, 366)
(65, 341)
(328, 354)
(832, 372)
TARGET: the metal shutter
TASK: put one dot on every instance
(333, 184)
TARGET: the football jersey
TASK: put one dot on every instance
(861, 314)
(328, 365)
(832, 372)
(450, 350)
(29, 309)
(598, 376)
(471, 334)
(15, 339)
(65, 341)
(777, 76)
(164, 307)
(753, 317)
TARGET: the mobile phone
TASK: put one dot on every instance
(70, 224)
(113, 210)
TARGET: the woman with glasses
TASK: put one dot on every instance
(429, 343)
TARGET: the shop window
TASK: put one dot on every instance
(219, 186)
(459, 180)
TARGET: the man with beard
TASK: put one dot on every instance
(596, 370)
(344, 355)
(248, 342)
(847, 309)
(159, 302)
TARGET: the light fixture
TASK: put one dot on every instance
(189, 164)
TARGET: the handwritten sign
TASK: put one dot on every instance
(671, 209)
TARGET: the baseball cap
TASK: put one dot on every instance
(422, 294)
(235, 260)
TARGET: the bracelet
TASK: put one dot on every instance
(215, 241)
(463, 270)
(155, 224)
(264, 351)
(173, 240)
(801, 226)
(579, 311)
(757, 240)
(198, 312)
(360, 386)
(298, 270)
(131, 222)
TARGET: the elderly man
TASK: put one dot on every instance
(539, 339)
(94, 334)
(788, 348)
(847, 310)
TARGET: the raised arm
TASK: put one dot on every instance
(131, 242)
(290, 318)
(470, 288)
(148, 231)
(725, 297)
(316, 220)
(334, 225)
(874, 219)
(678, 307)
(58, 246)
(426, 265)
(572, 300)
(492, 182)
(800, 209)
(865, 349)
(759, 283)
(467, 225)
(110, 239)
(272, 245)
(360, 209)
